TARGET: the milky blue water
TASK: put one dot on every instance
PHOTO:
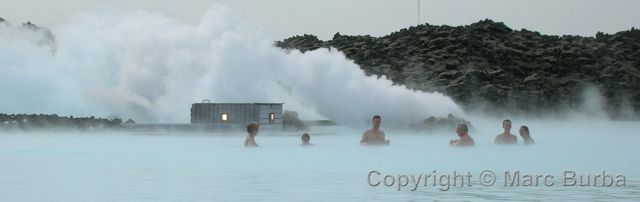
(119, 166)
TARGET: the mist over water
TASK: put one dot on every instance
(145, 66)
(216, 167)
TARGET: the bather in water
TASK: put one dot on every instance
(506, 137)
(374, 136)
(252, 130)
(524, 133)
(463, 132)
(306, 138)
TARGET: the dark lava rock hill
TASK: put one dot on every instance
(489, 63)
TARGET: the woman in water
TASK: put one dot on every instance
(524, 133)
(252, 130)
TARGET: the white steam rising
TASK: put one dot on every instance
(151, 68)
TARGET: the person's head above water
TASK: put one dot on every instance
(462, 129)
(463, 132)
(506, 124)
(376, 121)
(305, 138)
(524, 131)
(252, 129)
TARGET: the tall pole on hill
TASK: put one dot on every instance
(418, 12)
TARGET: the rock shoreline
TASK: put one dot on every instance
(29, 122)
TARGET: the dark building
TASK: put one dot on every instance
(237, 115)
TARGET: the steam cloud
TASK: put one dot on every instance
(152, 68)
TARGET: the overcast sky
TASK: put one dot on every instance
(284, 18)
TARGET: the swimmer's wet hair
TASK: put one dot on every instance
(306, 135)
(464, 127)
(506, 120)
(376, 117)
(252, 127)
(525, 128)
